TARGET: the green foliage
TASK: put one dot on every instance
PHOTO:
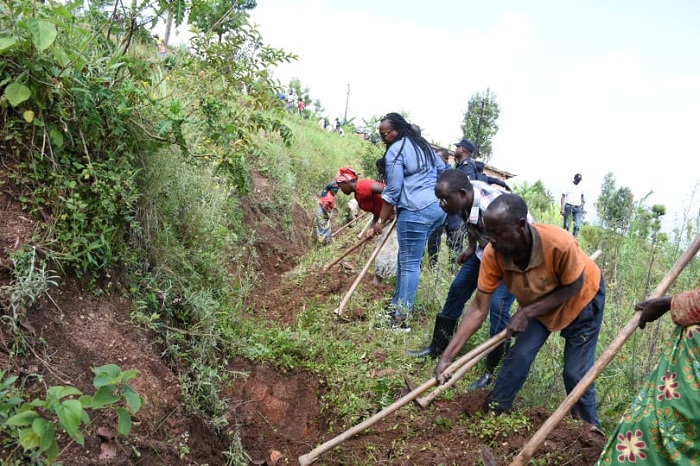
(480, 122)
(31, 280)
(491, 426)
(220, 18)
(539, 200)
(74, 132)
(33, 424)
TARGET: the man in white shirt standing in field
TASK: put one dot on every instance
(572, 202)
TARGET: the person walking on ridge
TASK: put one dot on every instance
(572, 203)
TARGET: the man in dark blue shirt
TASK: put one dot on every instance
(454, 224)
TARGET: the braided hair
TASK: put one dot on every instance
(405, 131)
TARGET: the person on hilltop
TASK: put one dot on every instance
(324, 212)
(559, 289)
(368, 194)
(660, 425)
(412, 168)
(469, 200)
(572, 203)
(481, 176)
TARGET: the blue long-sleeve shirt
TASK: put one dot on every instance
(408, 185)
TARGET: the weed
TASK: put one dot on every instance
(31, 280)
(33, 424)
(490, 425)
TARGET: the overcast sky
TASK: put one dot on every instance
(585, 86)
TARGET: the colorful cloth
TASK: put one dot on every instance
(660, 427)
(323, 225)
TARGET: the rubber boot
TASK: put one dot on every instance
(442, 334)
(492, 360)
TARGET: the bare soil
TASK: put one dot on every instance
(279, 412)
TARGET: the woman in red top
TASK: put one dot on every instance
(368, 194)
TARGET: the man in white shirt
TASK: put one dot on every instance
(572, 202)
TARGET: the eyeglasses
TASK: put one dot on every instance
(383, 135)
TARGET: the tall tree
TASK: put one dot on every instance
(606, 192)
(479, 123)
(219, 17)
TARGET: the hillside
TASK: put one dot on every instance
(163, 301)
(271, 409)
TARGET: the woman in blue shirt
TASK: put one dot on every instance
(412, 168)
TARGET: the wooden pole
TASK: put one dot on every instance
(362, 273)
(345, 253)
(365, 228)
(363, 215)
(533, 444)
(313, 455)
(493, 342)
(462, 371)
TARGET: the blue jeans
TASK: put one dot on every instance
(412, 230)
(577, 212)
(434, 244)
(463, 287)
(579, 355)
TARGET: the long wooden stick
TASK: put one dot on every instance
(493, 342)
(313, 455)
(359, 235)
(362, 273)
(533, 444)
(462, 371)
(363, 215)
(345, 253)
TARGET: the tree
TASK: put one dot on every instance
(479, 123)
(606, 192)
(538, 198)
(219, 17)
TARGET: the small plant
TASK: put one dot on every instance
(34, 423)
(31, 280)
(491, 425)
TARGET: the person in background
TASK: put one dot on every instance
(436, 238)
(412, 168)
(660, 426)
(160, 45)
(572, 203)
(454, 227)
(326, 205)
(368, 194)
(459, 196)
(559, 289)
(481, 176)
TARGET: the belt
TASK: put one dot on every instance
(572, 205)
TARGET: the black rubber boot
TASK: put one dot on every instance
(492, 360)
(442, 334)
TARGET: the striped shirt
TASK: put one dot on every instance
(484, 194)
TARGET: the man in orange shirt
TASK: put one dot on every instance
(558, 287)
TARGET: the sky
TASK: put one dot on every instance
(584, 86)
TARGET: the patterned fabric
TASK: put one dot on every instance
(484, 194)
(323, 225)
(662, 425)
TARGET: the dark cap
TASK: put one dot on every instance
(468, 144)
